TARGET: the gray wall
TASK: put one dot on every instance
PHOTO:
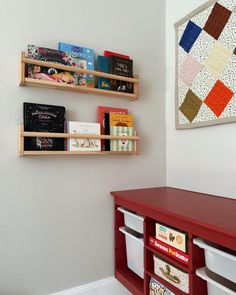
(56, 215)
(201, 159)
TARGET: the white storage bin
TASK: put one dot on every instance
(218, 261)
(216, 286)
(132, 220)
(134, 251)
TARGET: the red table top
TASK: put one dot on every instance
(213, 212)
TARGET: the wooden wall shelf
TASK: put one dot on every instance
(23, 134)
(25, 81)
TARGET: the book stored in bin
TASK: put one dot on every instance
(173, 237)
(83, 144)
(103, 65)
(53, 74)
(43, 118)
(84, 53)
(122, 145)
(101, 112)
(156, 288)
(169, 250)
(121, 67)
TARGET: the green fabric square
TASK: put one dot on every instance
(190, 106)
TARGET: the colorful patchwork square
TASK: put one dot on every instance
(190, 35)
(217, 20)
(217, 59)
(190, 106)
(218, 98)
(189, 70)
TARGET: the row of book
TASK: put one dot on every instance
(51, 118)
(81, 57)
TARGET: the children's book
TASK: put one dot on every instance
(109, 53)
(122, 145)
(101, 112)
(156, 288)
(53, 74)
(83, 144)
(43, 118)
(103, 65)
(84, 53)
(121, 67)
(120, 120)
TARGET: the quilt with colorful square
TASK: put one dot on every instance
(206, 65)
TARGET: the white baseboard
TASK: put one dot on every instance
(91, 286)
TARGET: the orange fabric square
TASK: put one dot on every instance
(218, 98)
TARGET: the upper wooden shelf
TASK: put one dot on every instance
(25, 81)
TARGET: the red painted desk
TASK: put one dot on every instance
(200, 215)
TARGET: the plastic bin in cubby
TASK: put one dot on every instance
(134, 250)
(132, 220)
(216, 285)
(218, 259)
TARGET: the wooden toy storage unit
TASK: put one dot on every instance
(200, 215)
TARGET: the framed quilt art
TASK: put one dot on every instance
(206, 65)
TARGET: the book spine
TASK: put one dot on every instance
(169, 250)
(107, 130)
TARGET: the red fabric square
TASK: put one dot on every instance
(218, 98)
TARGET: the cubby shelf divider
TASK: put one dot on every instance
(25, 81)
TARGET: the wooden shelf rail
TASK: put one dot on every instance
(23, 134)
(24, 81)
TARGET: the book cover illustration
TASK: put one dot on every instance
(172, 237)
(52, 74)
(84, 53)
(120, 120)
(122, 145)
(43, 118)
(156, 288)
(101, 111)
(103, 65)
(121, 67)
(83, 144)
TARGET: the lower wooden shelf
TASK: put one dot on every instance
(23, 152)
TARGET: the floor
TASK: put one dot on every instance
(114, 288)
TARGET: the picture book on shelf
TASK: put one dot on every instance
(103, 65)
(101, 111)
(121, 67)
(122, 145)
(83, 144)
(113, 119)
(84, 53)
(43, 118)
(109, 53)
(53, 74)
